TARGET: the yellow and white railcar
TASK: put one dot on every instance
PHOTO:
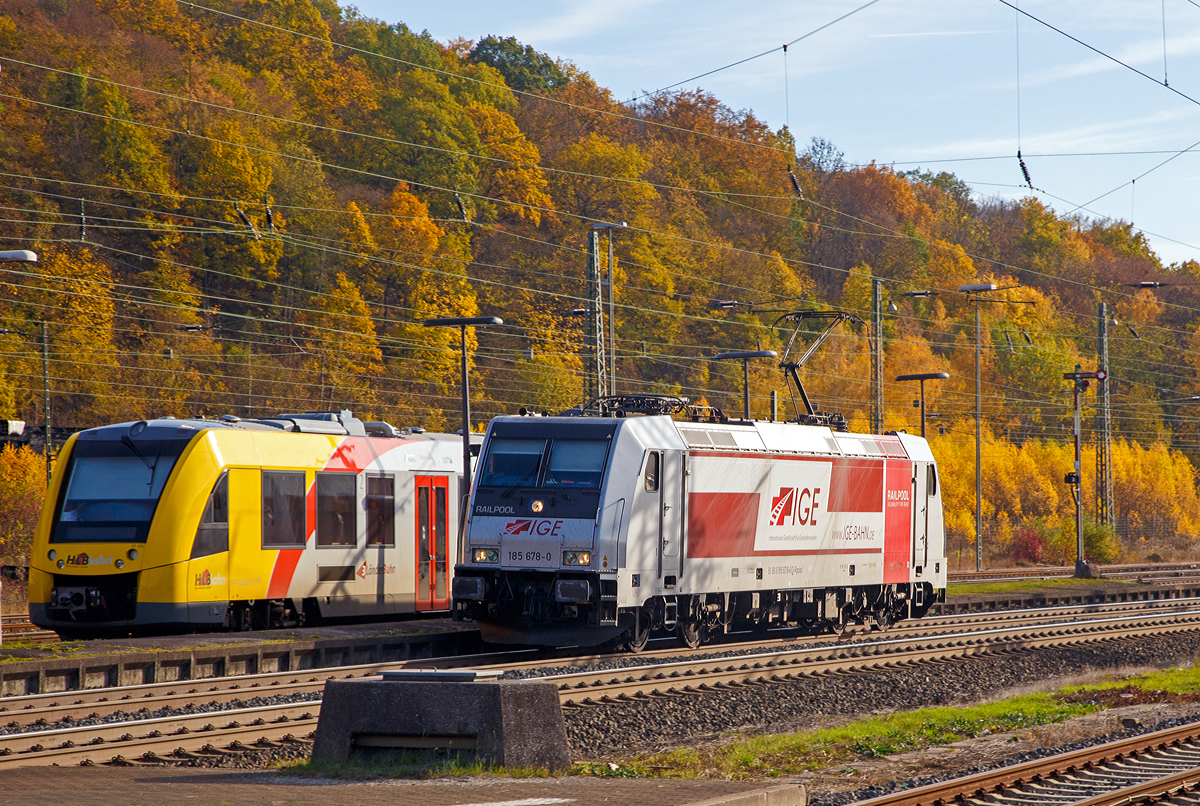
(168, 525)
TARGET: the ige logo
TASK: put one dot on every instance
(533, 527)
(206, 579)
(795, 505)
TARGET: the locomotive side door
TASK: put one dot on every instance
(671, 517)
(432, 550)
(920, 515)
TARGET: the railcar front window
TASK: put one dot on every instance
(112, 492)
(576, 463)
(512, 462)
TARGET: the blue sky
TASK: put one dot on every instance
(915, 83)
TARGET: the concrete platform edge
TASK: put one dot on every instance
(783, 795)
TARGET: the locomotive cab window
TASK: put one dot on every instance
(381, 511)
(212, 536)
(577, 463)
(652, 472)
(336, 524)
(931, 483)
(512, 462)
(284, 510)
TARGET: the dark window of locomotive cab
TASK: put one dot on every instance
(576, 463)
(931, 484)
(512, 462)
(652, 472)
(335, 509)
(381, 511)
(284, 511)
(212, 536)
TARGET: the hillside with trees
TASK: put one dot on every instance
(250, 206)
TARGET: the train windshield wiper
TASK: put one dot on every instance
(151, 466)
(550, 477)
(509, 490)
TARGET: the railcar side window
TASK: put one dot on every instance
(931, 485)
(283, 509)
(212, 536)
(576, 463)
(335, 509)
(652, 472)
(512, 462)
(381, 511)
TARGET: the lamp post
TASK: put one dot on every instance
(26, 256)
(612, 305)
(922, 377)
(462, 323)
(745, 357)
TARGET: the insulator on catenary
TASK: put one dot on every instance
(270, 215)
(462, 208)
(246, 220)
(1028, 340)
(1136, 335)
(1008, 339)
(1024, 170)
(795, 183)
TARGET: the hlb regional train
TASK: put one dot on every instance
(168, 525)
(591, 529)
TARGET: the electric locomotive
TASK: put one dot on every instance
(171, 525)
(620, 520)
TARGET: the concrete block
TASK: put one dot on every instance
(509, 722)
(784, 795)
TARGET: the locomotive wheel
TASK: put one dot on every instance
(637, 642)
(837, 627)
(691, 633)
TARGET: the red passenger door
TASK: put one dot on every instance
(433, 584)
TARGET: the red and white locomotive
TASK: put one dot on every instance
(583, 530)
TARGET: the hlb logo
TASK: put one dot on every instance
(206, 579)
(82, 558)
(795, 506)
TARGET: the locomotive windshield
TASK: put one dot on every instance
(572, 463)
(113, 488)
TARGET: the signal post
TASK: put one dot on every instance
(1074, 479)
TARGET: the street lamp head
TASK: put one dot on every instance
(924, 376)
(746, 355)
(976, 288)
(464, 321)
(18, 256)
(892, 307)
(609, 225)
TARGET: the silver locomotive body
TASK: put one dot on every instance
(586, 530)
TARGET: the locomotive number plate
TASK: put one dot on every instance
(529, 555)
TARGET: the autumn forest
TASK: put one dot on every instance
(250, 206)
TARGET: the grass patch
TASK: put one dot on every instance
(774, 756)
(416, 764)
(1170, 684)
(971, 588)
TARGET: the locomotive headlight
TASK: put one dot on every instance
(53, 555)
(537, 506)
(486, 555)
(577, 558)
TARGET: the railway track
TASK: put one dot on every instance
(1151, 768)
(1148, 573)
(213, 717)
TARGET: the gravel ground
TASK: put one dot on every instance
(596, 731)
(14, 727)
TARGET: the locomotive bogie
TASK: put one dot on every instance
(700, 529)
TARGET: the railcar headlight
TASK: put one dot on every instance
(537, 506)
(486, 555)
(61, 564)
(577, 558)
(53, 555)
(119, 563)
(133, 554)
